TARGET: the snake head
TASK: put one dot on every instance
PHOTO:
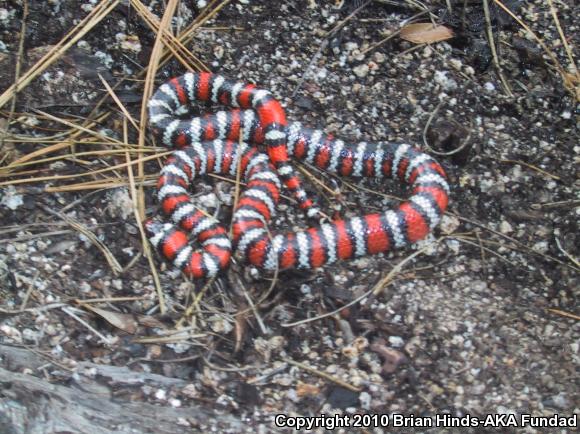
(156, 230)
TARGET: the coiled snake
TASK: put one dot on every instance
(211, 144)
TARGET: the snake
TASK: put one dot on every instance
(231, 142)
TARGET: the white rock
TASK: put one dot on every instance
(361, 70)
(11, 199)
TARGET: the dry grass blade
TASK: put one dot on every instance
(69, 311)
(564, 40)
(81, 29)
(174, 44)
(479, 243)
(322, 374)
(168, 340)
(274, 280)
(7, 171)
(35, 236)
(138, 220)
(385, 281)
(80, 128)
(139, 198)
(567, 254)
(491, 42)
(571, 81)
(194, 307)
(207, 14)
(113, 263)
(186, 36)
(73, 137)
(530, 166)
(31, 287)
(323, 189)
(109, 300)
(79, 175)
(119, 104)
(148, 91)
(101, 184)
(565, 314)
(237, 182)
(519, 244)
(17, 68)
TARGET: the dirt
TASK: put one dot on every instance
(483, 320)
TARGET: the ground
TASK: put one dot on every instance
(481, 318)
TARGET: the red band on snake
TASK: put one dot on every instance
(210, 144)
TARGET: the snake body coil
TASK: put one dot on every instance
(210, 144)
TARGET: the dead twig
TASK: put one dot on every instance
(18, 66)
(100, 11)
(111, 260)
(570, 80)
(491, 42)
(322, 374)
